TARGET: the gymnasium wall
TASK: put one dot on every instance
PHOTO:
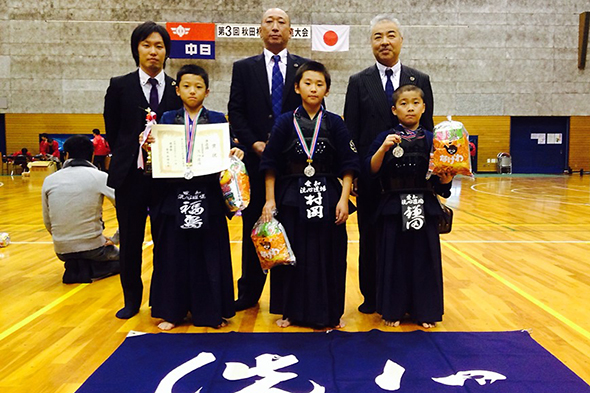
(487, 61)
(501, 58)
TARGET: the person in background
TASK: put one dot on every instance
(72, 212)
(101, 150)
(261, 90)
(49, 148)
(22, 158)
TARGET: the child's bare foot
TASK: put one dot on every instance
(340, 325)
(223, 323)
(165, 325)
(428, 325)
(391, 323)
(283, 323)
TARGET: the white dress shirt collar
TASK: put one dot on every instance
(395, 77)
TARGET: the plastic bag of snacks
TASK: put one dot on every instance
(450, 150)
(271, 243)
(4, 239)
(235, 185)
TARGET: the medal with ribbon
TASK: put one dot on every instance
(190, 132)
(309, 170)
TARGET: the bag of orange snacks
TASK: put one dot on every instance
(271, 244)
(450, 150)
(235, 185)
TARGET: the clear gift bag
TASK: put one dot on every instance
(271, 244)
(235, 185)
(450, 150)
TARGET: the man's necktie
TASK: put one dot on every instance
(277, 87)
(154, 101)
(389, 86)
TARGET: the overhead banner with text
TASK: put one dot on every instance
(192, 40)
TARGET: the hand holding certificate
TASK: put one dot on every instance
(174, 155)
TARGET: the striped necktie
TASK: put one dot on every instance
(277, 87)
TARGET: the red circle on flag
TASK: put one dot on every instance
(330, 38)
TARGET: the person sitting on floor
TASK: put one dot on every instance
(72, 213)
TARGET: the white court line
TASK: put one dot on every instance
(519, 241)
(532, 198)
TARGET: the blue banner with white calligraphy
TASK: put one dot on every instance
(338, 362)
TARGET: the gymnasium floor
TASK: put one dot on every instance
(518, 258)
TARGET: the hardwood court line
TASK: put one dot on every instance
(520, 241)
(532, 198)
(522, 293)
(42, 311)
(48, 307)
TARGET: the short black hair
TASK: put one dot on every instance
(142, 32)
(79, 146)
(405, 88)
(96, 131)
(44, 135)
(193, 69)
(313, 66)
(24, 151)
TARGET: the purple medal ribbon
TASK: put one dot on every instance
(190, 133)
(309, 171)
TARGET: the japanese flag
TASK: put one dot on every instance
(330, 38)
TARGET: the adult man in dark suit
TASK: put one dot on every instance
(367, 112)
(258, 95)
(126, 102)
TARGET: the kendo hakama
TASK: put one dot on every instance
(192, 262)
(311, 292)
(409, 267)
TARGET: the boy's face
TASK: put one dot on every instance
(152, 54)
(312, 87)
(408, 108)
(386, 42)
(192, 90)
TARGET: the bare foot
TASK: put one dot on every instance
(223, 323)
(283, 322)
(164, 325)
(340, 325)
(391, 323)
(428, 325)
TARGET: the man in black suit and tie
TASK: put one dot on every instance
(261, 89)
(367, 112)
(126, 102)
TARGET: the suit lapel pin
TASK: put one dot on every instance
(173, 83)
(412, 78)
(296, 65)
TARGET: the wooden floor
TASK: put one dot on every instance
(518, 258)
